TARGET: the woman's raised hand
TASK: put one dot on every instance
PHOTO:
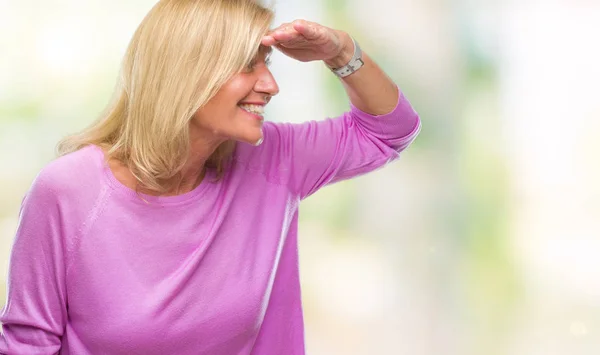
(308, 41)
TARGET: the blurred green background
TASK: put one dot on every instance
(483, 239)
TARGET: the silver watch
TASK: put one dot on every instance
(355, 63)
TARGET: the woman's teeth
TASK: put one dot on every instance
(255, 109)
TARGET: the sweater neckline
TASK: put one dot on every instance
(146, 199)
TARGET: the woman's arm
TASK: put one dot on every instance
(378, 126)
(35, 313)
(310, 155)
(369, 88)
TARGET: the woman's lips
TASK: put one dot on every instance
(253, 115)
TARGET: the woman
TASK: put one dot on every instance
(170, 225)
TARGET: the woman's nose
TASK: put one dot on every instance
(266, 82)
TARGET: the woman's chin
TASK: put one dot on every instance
(254, 139)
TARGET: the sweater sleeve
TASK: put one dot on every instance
(35, 313)
(313, 154)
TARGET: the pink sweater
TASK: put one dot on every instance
(95, 270)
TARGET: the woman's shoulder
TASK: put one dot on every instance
(72, 172)
(66, 191)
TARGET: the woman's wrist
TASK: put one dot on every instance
(345, 54)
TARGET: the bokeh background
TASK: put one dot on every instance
(483, 239)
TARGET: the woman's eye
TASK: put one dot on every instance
(250, 66)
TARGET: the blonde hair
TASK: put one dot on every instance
(179, 57)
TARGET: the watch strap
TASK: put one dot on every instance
(355, 63)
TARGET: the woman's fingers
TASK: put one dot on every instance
(268, 41)
(291, 32)
(307, 29)
(274, 36)
(303, 40)
(286, 38)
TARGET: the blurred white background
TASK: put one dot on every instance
(483, 239)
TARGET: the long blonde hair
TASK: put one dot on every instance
(179, 57)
